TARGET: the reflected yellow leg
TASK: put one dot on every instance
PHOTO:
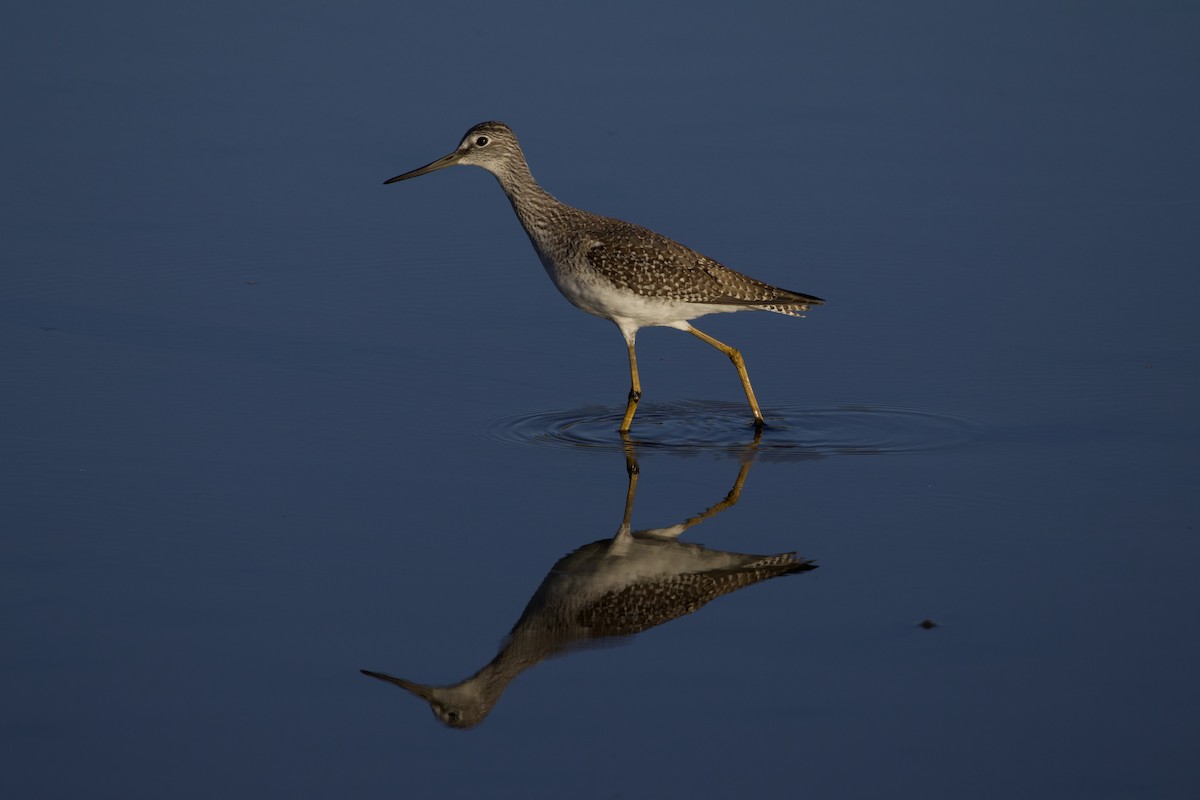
(631, 467)
(635, 390)
(736, 358)
(730, 499)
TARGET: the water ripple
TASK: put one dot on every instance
(792, 432)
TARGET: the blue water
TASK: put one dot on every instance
(266, 422)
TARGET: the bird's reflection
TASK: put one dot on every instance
(611, 588)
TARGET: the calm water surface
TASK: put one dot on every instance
(267, 422)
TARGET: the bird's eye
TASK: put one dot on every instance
(482, 141)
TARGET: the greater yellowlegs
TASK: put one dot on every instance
(614, 269)
(611, 588)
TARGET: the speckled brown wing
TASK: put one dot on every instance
(649, 264)
(641, 606)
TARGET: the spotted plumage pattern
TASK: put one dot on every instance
(638, 260)
(643, 605)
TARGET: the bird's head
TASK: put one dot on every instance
(459, 706)
(490, 145)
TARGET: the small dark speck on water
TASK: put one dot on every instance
(926, 624)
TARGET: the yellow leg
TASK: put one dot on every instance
(736, 358)
(635, 390)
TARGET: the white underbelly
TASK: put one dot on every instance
(598, 297)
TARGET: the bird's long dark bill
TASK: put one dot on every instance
(416, 688)
(447, 161)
